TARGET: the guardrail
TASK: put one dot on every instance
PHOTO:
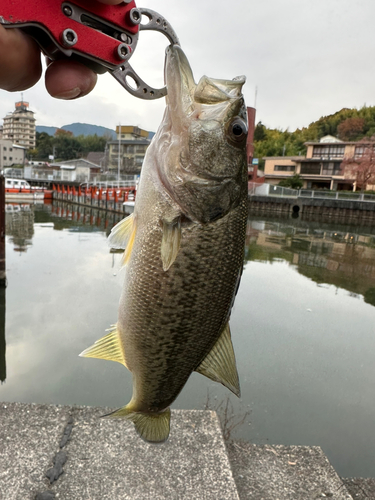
(336, 195)
(279, 191)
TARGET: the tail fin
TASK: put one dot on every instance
(151, 427)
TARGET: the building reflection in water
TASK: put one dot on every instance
(19, 225)
(335, 255)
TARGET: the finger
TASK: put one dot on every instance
(20, 65)
(69, 79)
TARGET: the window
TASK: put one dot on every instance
(310, 168)
(328, 151)
(284, 168)
(362, 150)
(4, 148)
(331, 168)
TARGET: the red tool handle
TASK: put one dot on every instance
(77, 26)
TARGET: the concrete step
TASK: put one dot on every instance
(102, 459)
(106, 460)
(284, 473)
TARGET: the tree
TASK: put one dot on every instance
(351, 129)
(361, 166)
(260, 132)
(66, 146)
(44, 146)
(294, 182)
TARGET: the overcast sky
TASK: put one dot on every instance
(307, 58)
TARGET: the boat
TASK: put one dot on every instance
(20, 190)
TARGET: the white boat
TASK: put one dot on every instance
(20, 190)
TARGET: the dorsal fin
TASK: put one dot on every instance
(108, 347)
(220, 363)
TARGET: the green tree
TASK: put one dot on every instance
(44, 146)
(66, 146)
(91, 143)
(294, 182)
(260, 132)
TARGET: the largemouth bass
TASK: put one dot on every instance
(184, 249)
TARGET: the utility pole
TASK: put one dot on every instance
(119, 155)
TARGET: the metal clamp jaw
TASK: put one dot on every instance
(121, 73)
(100, 36)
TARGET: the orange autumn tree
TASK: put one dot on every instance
(361, 166)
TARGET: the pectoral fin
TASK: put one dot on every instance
(152, 427)
(170, 244)
(220, 363)
(108, 347)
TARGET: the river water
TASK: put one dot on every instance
(303, 328)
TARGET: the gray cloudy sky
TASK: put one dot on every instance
(307, 58)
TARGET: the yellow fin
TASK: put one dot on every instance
(108, 347)
(129, 247)
(151, 427)
(170, 244)
(121, 233)
(220, 363)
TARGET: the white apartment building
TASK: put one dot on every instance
(19, 126)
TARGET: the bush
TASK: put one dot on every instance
(294, 182)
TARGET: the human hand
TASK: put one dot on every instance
(20, 67)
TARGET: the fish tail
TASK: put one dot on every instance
(151, 427)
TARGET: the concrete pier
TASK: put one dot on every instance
(324, 210)
(69, 453)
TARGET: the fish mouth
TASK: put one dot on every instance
(179, 80)
(183, 92)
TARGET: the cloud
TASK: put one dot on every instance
(307, 59)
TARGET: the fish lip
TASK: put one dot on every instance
(180, 83)
(176, 57)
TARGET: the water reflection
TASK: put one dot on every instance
(3, 371)
(302, 331)
(339, 256)
(19, 225)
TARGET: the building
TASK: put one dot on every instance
(98, 158)
(11, 154)
(19, 126)
(320, 168)
(128, 151)
(79, 170)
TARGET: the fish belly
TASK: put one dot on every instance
(170, 320)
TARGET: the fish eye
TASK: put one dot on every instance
(237, 130)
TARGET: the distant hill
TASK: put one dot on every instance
(80, 129)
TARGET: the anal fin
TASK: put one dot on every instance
(220, 363)
(108, 347)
